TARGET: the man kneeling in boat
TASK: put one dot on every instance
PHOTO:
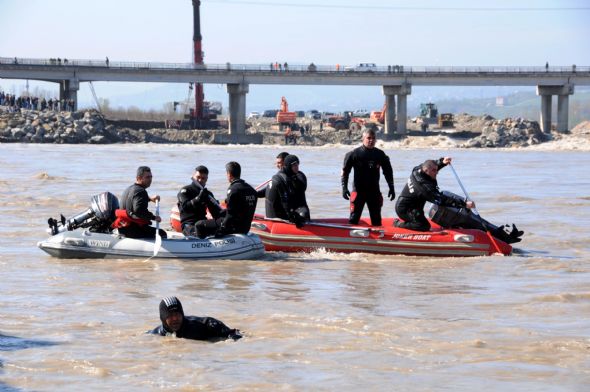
(422, 187)
(194, 200)
(285, 195)
(134, 218)
(174, 322)
(241, 205)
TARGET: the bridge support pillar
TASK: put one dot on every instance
(545, 118)
(237, 108)
(237, 118)
(68, 89)
(402, 113)
(393, 125)
(562, 113)
(389, 116)
(563, 92)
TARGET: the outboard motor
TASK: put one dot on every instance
(464, 218)
(97, 218)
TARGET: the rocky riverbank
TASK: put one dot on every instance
(29, 126)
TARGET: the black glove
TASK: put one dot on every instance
(297, 219)
(202, 198)
(344, 183)
(345, 193)
(391, 193)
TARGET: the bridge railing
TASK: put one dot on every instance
(281, 68)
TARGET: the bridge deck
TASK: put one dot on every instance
(97, 70)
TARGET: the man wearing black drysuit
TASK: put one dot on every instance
(279, 162)
(194, 200)
(190, 327)
(135, 201)
(367, 161)
(241, 206)
(285, 195)
(422, 187)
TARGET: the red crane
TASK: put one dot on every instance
(198, 59)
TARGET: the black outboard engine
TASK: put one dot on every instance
(464, 218)
(97, 218)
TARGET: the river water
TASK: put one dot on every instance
(315, 321)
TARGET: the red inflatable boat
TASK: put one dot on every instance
(336, 235)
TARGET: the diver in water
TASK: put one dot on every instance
(174, 322)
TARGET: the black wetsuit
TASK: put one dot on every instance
(241, 205)
(200, 328)
(285, 197)
(367, 163)
(193, 205)
(419, 189)
(135, 201)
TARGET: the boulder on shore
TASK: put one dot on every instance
(90, 127)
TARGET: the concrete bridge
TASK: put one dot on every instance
(396, 81)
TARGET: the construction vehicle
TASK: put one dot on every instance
(338, 121)
(376, 118)
(285, 118)
(207, 118)
(446, 120)
(428, 113)
(346, 120)
(204, 114)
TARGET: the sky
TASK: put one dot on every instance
(410, 32)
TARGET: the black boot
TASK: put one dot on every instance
(515, 232)
(502, 234)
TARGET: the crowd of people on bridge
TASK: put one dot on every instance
(14, 103)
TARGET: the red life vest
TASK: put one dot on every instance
(124, 220)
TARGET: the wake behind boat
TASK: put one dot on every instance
(89, 235)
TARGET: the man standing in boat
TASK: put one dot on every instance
(134, 218)
(367, 161)
(422, 187)
(285, 196)
(194, 200)
(174, 322)
(241, 205)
